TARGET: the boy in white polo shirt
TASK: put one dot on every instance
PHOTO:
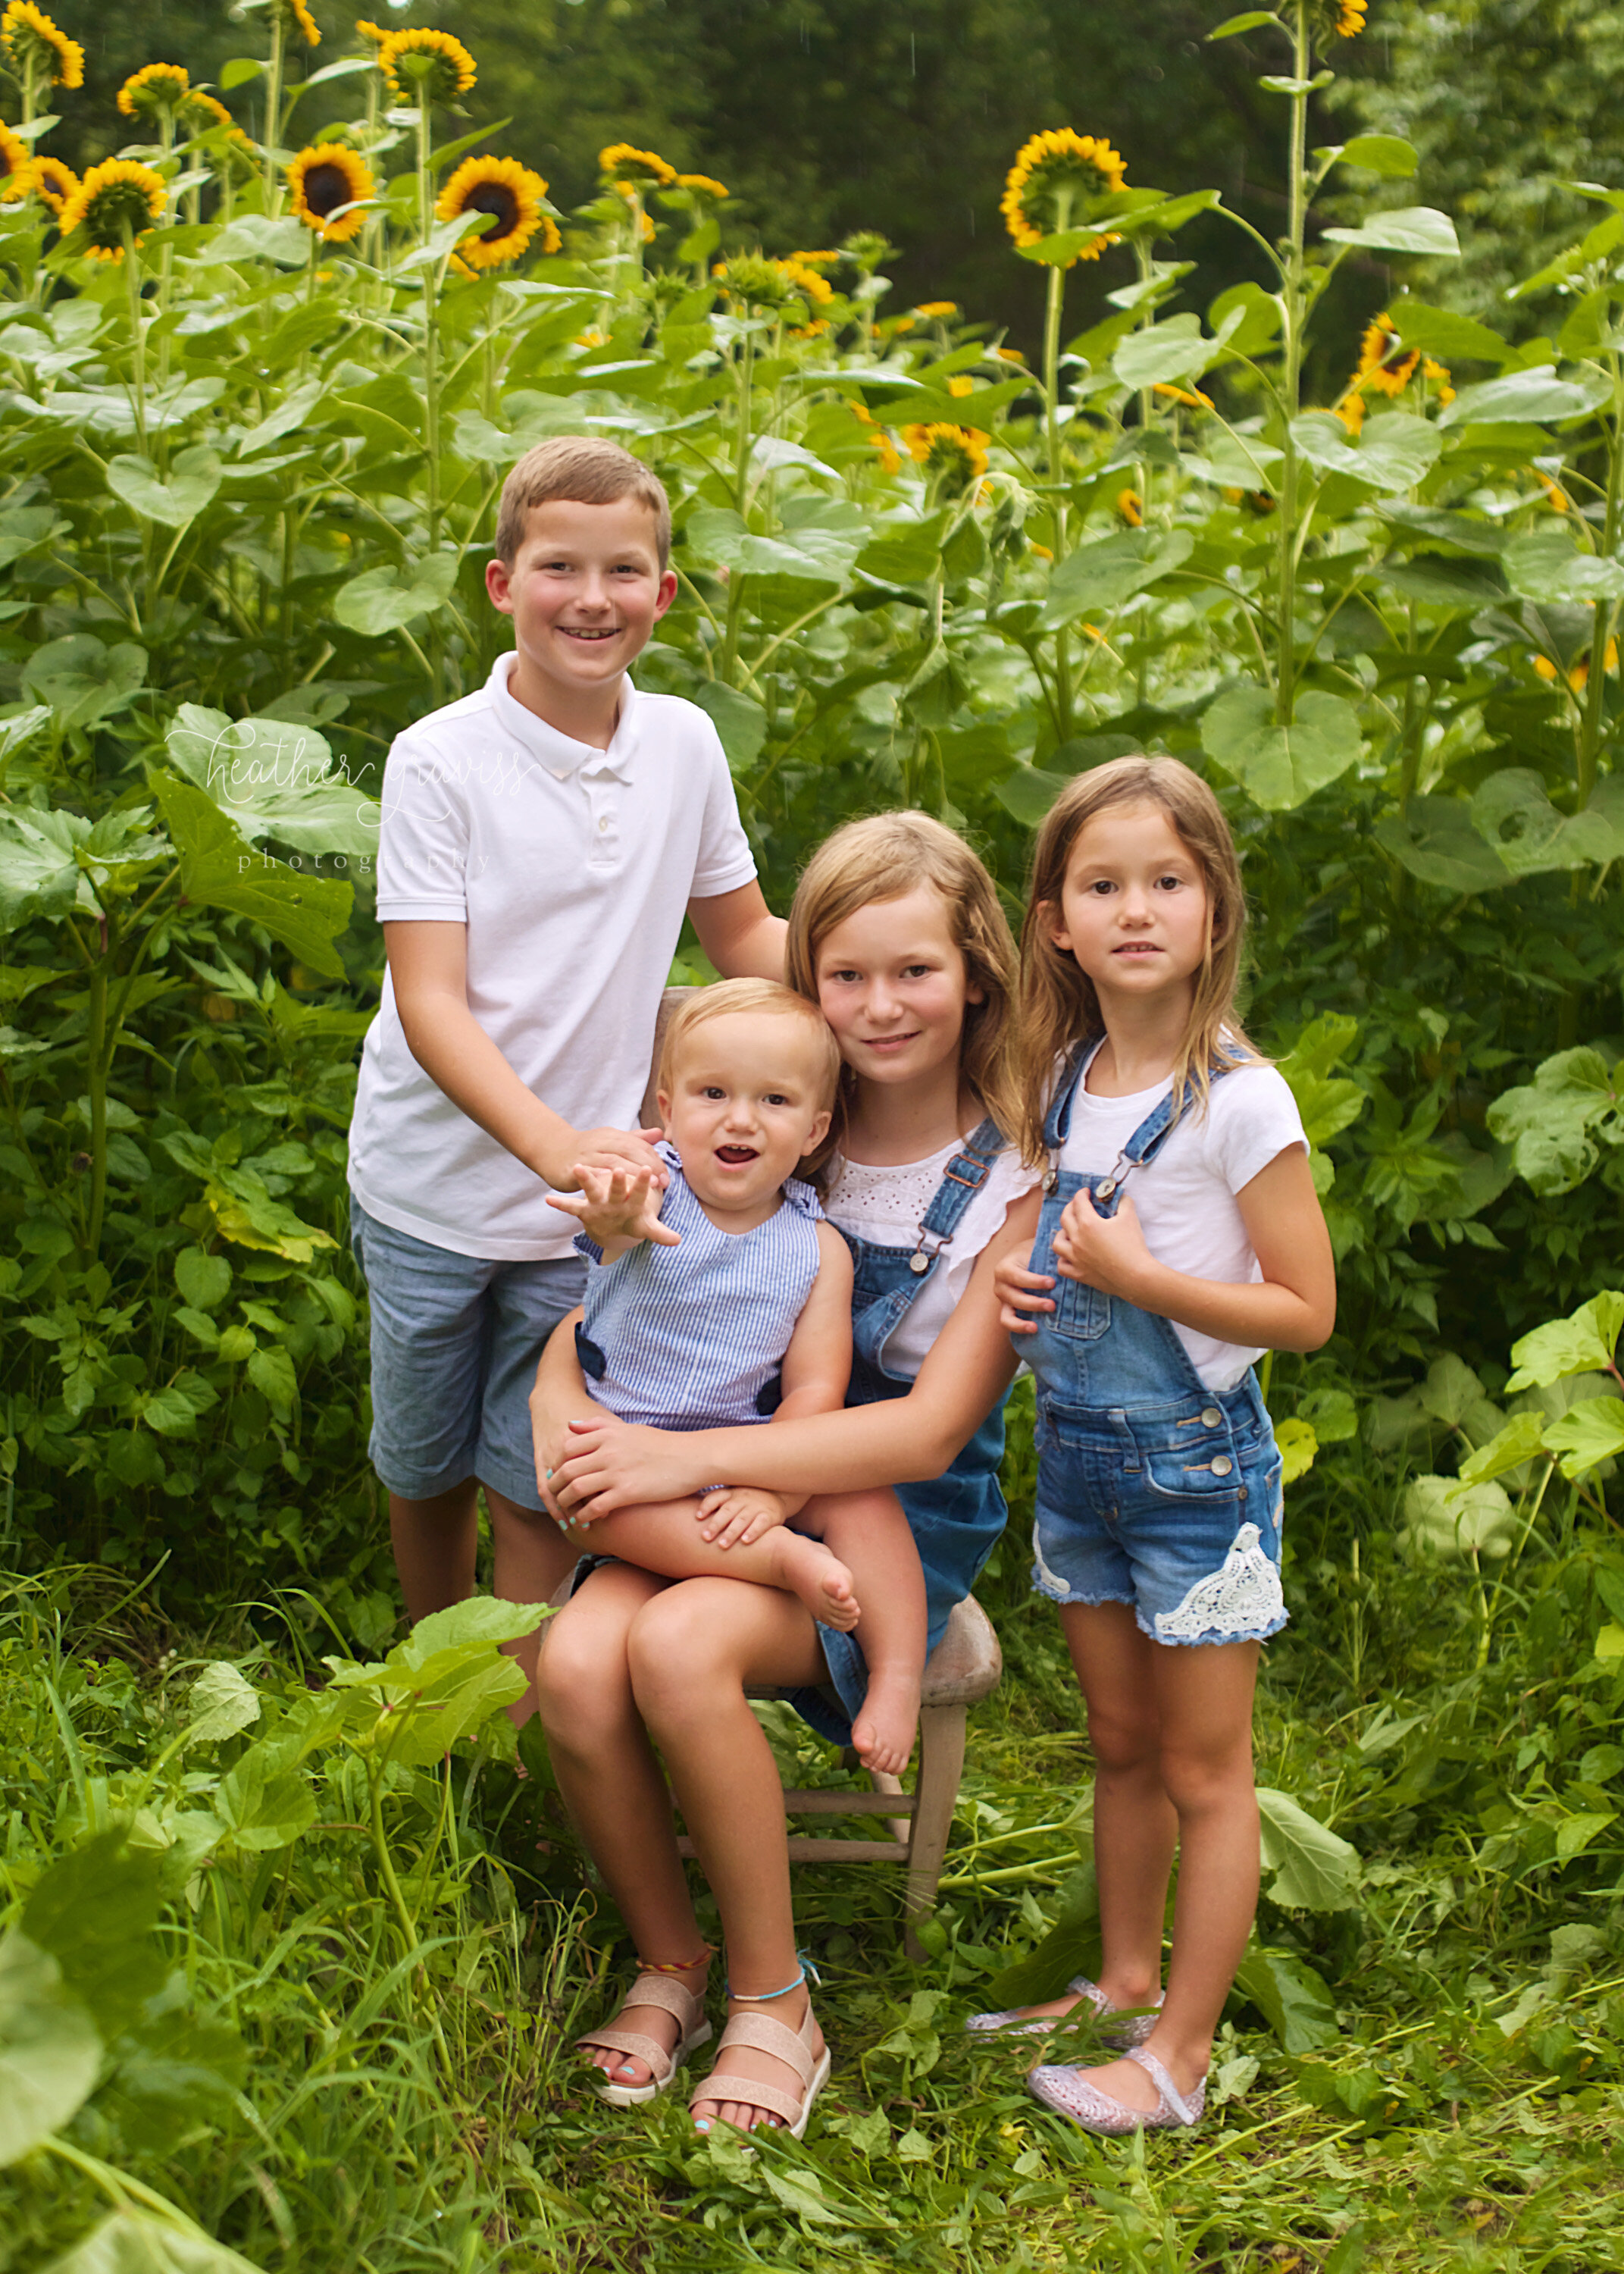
(541, 842)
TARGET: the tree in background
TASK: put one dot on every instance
(1505, 100)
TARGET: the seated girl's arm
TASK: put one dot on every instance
(817, 1367)
(1293, 1307)
(901, 1441)
(560, 1393)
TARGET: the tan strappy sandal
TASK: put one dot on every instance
(793, 2047)
(687, 2008)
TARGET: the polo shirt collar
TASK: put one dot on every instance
(560, 755)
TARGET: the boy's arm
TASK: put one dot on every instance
(428, 964)
(739, 934)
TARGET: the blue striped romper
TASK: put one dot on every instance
(693, 1338)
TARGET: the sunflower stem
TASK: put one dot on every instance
(138, 344)
(273, 111)
(1593, 725)
(1285, 697)
(431, 329)
(1054, 305)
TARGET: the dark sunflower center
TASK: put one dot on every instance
(495, 198)
(326, 187)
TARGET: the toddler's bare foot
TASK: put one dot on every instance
(883, 1732)
(821, 1580)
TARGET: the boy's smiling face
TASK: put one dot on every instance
(584, 591)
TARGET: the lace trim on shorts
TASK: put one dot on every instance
(1241, 1597)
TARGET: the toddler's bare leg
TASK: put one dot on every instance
(665, 1537)
(869, 1533)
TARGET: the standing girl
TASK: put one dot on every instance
(896, 933)
(1182, 1236)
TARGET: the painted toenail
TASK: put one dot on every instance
(702, 2123)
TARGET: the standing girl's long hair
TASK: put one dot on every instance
(884, 858)
(1058, 1006)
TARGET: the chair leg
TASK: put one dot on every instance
(941, 1763)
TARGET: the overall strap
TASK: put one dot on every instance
(962, 1178)
(1148, 1139)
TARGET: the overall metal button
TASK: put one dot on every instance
(1222, 1466)
(919, 1263)
(1210, 1417)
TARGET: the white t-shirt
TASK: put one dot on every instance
(572, 868)
(1186, 1197)
(885, 1205)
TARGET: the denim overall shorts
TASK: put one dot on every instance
(956, 1518)
(1153, 1490)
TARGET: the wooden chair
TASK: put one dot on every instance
(966, 1665)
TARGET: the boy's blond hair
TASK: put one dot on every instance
(588, 471)
(731, 998)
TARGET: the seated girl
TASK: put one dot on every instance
(725, 1300)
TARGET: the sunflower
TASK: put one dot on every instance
(114, 197)
(27, 33)
(1438, 375)
(635, 170)
(1350, 411)
(1556, 496)
(205, 111)
(956, 455)
(513, 194)
(155, 89)
(16, 166)
(322, 180)
(961, 383)
(424, 67)
(1193, 398)
(1385, 365)
(1131, 506)
(807, 281)
(294, 16)
(368, 30)
(55, 182)
(825, 259)
(1052, 174)
(703, 185)
(936, 308)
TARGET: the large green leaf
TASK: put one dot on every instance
(222, 1704)
(50, 2053)
(1579, 1345)
(1387, 154)
(1513, 811)
(221, 869)
(1588, 1434)
(385, 599)
(1099, 576)
(821, 550)
(275, 778)
(1406, 228)
(136, 2242)
(1170, 353)
(1435, 839)
(1291, 1997)
(740, 722)
(266, 1801)
(1441, 332)
(35, 877)
(1551, 1123)
(1280, 767)
(175, 500)
(1315, 1869)
(1393, 453)
(82, 679)
(1543, 565)
(1443, 1517)
(1535, 395)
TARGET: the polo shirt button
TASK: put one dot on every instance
(604, 823)
(1222, 1466)
(1210, 1417)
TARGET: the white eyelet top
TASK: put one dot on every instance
(884, 1205)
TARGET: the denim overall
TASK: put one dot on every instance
(955, 1518)
(1153, 1490)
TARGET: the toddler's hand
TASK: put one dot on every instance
(1017, 1291)
(616, 1205)
(731, 1514)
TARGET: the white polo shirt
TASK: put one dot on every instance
(572, 868)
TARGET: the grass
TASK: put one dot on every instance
(1463, 2108)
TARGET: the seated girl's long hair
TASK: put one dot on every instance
(884, 858)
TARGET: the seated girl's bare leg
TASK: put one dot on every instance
(869, 1533)
(693, 1650)
(609, 1778)
(665, 1538)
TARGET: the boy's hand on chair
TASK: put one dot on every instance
(733, 1514)
(1019, 1291)
(1107, 1251)
(616, 1206)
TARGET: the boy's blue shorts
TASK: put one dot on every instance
(455, 1343)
